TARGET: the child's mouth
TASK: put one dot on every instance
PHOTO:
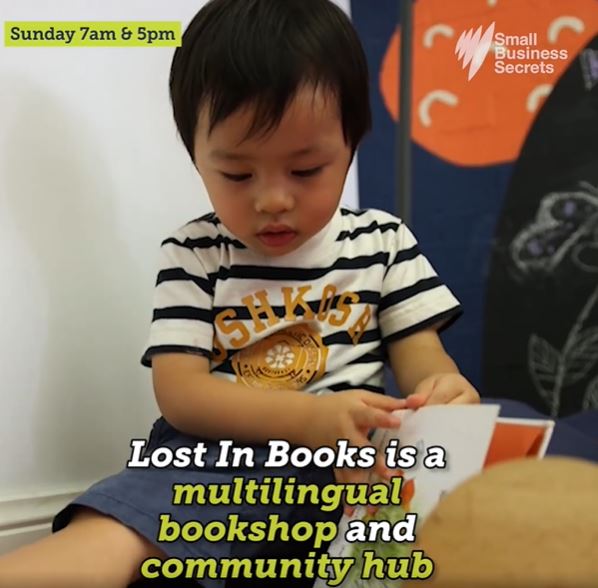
(277, 239)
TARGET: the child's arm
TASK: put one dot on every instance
(199, 403)
(425, 372)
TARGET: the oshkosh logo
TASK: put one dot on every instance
(473, 48)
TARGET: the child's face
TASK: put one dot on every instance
(274, 192)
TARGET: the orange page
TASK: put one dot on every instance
(512, 441)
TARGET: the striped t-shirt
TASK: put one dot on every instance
(316, 319)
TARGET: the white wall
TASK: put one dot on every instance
(92, 178)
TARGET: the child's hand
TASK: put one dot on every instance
(448, 388)
(351, 415)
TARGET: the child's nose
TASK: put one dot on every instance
(274, 200)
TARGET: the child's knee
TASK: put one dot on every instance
(111, 535)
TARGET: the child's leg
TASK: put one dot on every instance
(94, 551)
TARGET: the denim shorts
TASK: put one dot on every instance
(138, 496)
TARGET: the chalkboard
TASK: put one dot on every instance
(541, 313)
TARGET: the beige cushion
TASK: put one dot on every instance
(526, 523)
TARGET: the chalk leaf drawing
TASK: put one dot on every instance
(544, 362)
(583, 356)
(590, 400)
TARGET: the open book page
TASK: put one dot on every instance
(462, 434)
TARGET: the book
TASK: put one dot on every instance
(452, 444)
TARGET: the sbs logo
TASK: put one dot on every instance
(472, 48)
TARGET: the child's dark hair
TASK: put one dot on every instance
(260, 52)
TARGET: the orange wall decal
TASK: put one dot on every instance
(485, 120)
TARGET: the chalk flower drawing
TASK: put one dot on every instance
(566, 225)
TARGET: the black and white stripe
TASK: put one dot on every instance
(365, 261)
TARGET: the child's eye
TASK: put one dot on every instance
(306, 173)
(236, 177)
